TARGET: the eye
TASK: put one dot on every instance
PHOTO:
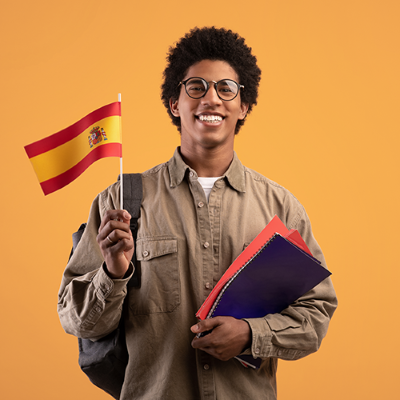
(225, 89)
(195, 86)
(227, 86)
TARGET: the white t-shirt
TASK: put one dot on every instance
(207, 184)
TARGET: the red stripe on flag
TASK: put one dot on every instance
(59, 181)
(67, 134)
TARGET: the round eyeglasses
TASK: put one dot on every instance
(226, 89)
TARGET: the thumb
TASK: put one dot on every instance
(204, 326)
(126, 216)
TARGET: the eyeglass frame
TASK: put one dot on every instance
(239, 86)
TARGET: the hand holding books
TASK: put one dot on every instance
(229, 337)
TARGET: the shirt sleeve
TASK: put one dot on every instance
(299, 329)
(89, 301)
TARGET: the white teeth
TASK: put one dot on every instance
(210, 118)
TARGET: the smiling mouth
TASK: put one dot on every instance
(210, 118)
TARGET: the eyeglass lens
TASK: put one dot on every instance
(226, 88)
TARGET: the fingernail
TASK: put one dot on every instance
(126, 215)
(195, 328)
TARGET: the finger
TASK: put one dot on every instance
(205, 325)
(204, 343)
(115, 230)
(115, 215)
(119, 216)
(198, 343)
(117, 240)
(121, 247)
(116, 233)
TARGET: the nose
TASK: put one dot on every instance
(211, 97)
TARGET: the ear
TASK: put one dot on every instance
(243, 107)
(173, 105)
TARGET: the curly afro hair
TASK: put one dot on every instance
(210, 44)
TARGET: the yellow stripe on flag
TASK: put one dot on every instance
(60, 159)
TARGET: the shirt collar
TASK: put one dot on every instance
(235, 174)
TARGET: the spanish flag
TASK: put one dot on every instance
(60, 158)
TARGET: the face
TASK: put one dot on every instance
(208, 122)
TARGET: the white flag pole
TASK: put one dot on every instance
(121, 201)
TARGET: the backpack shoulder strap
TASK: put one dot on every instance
(132, 195)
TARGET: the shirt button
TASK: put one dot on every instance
(206, 244)
(145, 253)
(201, 204)
(257, 351)
(208, 285)
(191, 174)
(206, 367)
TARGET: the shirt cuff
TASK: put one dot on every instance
(105, 285)
(261, 337)
(262, 333)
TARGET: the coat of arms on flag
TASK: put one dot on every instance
(97, 134)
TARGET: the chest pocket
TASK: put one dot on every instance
(159, 289)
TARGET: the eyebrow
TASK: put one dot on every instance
(196, 80)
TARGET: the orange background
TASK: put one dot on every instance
(326, 127)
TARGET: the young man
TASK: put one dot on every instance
(199, 211)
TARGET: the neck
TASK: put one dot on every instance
(207, 162)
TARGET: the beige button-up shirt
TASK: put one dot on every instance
(184, 246)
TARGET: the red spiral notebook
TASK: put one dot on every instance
(274, 270)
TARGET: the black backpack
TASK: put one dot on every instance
(105, 360)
